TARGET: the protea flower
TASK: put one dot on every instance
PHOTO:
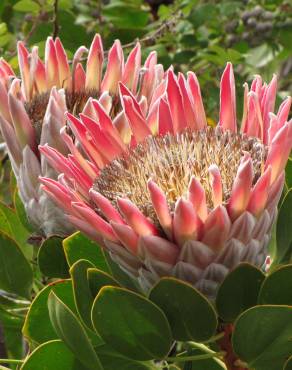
(32, 110)
(179, 198)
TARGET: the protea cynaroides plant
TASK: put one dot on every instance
(32, 110)
(172, 196)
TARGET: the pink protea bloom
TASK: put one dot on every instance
(32, 110)
(177, 197)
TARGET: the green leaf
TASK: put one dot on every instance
(78, 246)
(112, 360)
(51, 258)
(28, 6)
(52, 355)
(190, 315)
(11, 333)
(277, 287)
(98, 279)
(288, 364)
(37, 326)
(70, 330)
(239, 291)
(284, 233)
(131, 324)
(289, 173)
(15, 271)
(10, 224)
(81, 290)
(262, 336)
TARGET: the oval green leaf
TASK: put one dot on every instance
(77, 247)
(284, 233)
(131, 324)
(262, 336)
(15, 271)
(277, 287)
(81, 290)
(52, 355)
(51, 258)
(191, 316)
(37, 326)
(98, 279)
(70, 330)
(239, 291)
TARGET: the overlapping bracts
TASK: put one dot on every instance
(32, 110)
(168, 195)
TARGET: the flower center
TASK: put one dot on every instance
(75, 102)
(171, 161)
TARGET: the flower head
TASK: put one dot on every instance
(174, 196)
(32, 110)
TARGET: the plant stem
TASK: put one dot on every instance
(10, 361)
(195, 358)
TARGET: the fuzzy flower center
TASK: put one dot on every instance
(171, 161)
(75, 102)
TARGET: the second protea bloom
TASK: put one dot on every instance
(179, 198)
(32, 110)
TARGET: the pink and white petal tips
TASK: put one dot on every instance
(259, 193)
(268, 105)
(279, 150)
(94, 64)
(51, 64)
(189, 111)
(197, 196)
(107, 209)
(194, 90)
(63, 65)
(132, 68)
(23, 60)
(106, 101)
(165, 123)
(22, 125)
(86, 228)
(86, 167)
(99, 224)
(175, 101)
(186, 223)
(284, 110)
(114, 70)
(97, 147)
(139, 127)
(37, 72)
(107, 126)
(216, 185)
(216, 228)
(4, 107)
(227, 118)
(253, 124)
(161, 208)
(126, 236)
(135, 218)
(6, 68)
(240, 193)
(58, 192)
(78, 73)
(12, 143)
(148, 76)
(79, 78)
(156, 248)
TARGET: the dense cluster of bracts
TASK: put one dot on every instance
(139, 170)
